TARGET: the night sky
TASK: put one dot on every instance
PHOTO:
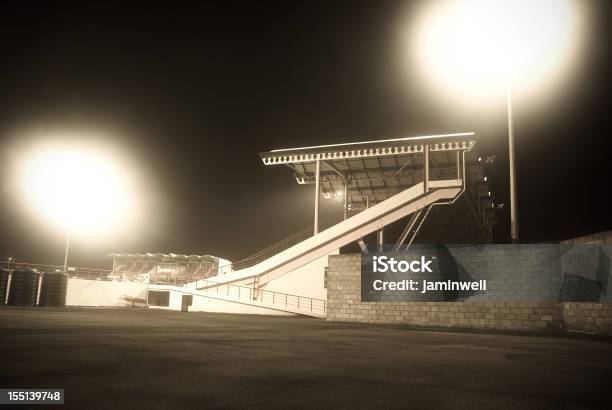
(190, 95)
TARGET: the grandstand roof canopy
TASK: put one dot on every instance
(371, 168)
(163, 257)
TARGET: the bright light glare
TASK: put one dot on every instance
(76, 188)
(475, 46)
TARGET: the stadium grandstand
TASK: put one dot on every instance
(394, 192)
(170, 268)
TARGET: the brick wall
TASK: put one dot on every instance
(514, 273)
(596, 238)
(588, 317)
(344, 304)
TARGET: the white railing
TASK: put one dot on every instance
(74, 271)
(269, 298)
(377, 197)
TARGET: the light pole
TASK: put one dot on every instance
(513, 211)
(67, 249)
(468, 49)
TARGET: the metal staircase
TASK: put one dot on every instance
(392, 179)
(400, 205)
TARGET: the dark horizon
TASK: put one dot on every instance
(191, 95)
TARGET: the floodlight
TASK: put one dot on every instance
(77, 188)
(475, 48)
(472, 47)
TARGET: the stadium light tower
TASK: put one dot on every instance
(77, 188)
(474, 47)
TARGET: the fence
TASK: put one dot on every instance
(75, 272)
(271, 298)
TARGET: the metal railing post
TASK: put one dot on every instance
(317, 195)
(426, 167)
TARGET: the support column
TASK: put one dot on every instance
(345, 199)
(8, 287)
(317, 196)
(458, 166)
(426, 167)
(67, 249)
(513, 205)
(40, 280)
(362, 245)
(380, 239)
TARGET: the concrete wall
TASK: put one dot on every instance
(514, 273)
(599, 238)
(83, 292)
(344, 304)
(211, 304)
(307, 280)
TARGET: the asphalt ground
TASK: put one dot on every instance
(153, 359)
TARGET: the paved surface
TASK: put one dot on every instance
(148, 359)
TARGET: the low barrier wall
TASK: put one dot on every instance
(595, 238)
(83, 292)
